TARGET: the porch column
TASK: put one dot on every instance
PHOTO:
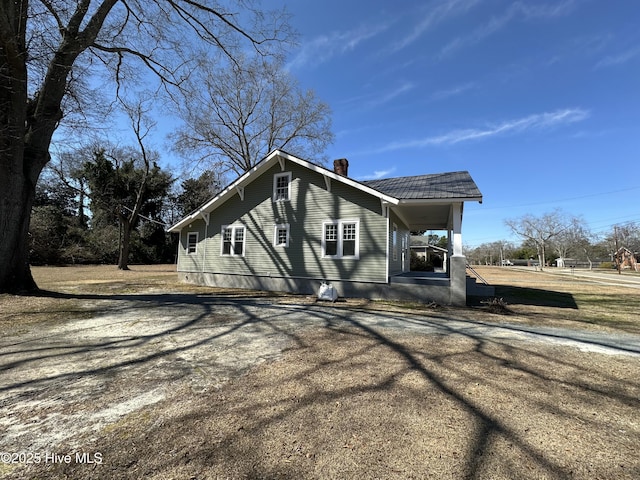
(456, 213)
(458, 265)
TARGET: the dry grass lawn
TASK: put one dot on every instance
(355, 402)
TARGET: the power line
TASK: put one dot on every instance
(555, 202)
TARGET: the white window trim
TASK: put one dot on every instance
(275, 235)
(275, 184)
(340, 223)
(189, 234)
(233, 229)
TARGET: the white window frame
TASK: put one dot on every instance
(341, 231)
(234, 229)
(276, 229)
(195, 247)
(276, 197)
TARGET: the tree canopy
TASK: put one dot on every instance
(234, 116)
(51, 52)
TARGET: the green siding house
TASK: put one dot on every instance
(289, 224)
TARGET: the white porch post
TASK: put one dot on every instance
(458, 265)
(456, 213)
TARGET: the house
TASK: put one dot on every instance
(431, 254)
(626, 259)
(289, 224)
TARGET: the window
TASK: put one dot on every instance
(238, 241)
(349, 238)
(192, 242)
(340, 239)
(394, 242)
(232, 240)
(282, 187)
(281, 235)
(330, 240)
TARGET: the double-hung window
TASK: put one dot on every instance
(282, 187)
(281, 235)
(233, 240)
(192, 242)
(340, 239)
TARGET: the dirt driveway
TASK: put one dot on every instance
(152, 387)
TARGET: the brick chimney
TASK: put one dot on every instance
(341, 166)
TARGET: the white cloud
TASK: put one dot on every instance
(432, 17)
(323, 48)
(536, 121)
(378, 174)
(517, 10)
(381, 100)
(619, 59)
(452, 92)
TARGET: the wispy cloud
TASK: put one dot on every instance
(516, 11)
(620, 58)
(537, 121)
(452, 92)
(389, 96)
(432, 17)
(378, 174)
(323, 48)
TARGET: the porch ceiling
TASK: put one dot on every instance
(425, 216)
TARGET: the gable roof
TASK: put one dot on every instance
(445, 186)
(392, 191)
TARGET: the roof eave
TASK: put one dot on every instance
(265, 164)
(420, 201)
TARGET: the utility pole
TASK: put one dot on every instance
(615, 238)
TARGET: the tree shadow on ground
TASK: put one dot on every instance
(356, 398)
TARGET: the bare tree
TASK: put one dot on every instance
(244, 111)
(540, 230)
(572, 241)
(141, 127)
(48, 47)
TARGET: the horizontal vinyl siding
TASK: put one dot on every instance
(191, 262)
(344, 203)
(311, 204)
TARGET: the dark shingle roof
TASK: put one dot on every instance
(433, 186)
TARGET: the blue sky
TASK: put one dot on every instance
(539, 101)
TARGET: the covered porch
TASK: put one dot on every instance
(431, 214)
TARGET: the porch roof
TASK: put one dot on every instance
(435, 186)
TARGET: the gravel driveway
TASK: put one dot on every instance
(66, 382)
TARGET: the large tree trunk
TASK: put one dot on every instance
(18, 194)
(17, 178)
(125, 242)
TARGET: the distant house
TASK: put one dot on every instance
(627, 259)
(289, 224)
(432, 254)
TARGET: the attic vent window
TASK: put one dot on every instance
(282, 187)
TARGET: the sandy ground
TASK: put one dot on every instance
(165, 385)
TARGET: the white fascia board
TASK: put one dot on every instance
(340, 178)
(439, 201)
(224, 195)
